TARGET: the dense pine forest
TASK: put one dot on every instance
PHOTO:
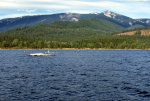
(88, 33)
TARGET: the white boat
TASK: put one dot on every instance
(42, 54)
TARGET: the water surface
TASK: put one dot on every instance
(75, 75)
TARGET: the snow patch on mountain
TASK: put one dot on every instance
(110, 14)
(148, 21)
(70, 16)
(75, 19)
(96, 13)
(130, 23)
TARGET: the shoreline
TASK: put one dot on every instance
(67, 49)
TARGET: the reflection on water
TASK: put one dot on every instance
(78, 75)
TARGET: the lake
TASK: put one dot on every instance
(75, 75)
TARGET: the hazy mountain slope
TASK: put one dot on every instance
(144, 21)
(121, 20)
(11, 23)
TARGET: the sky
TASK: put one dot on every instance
(18, 8)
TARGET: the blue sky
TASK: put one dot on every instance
(18, 8)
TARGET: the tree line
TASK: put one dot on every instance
(105, 41)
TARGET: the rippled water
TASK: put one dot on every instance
(78, 75)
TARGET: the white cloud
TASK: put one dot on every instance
(133, 8)
(15, 15)
(8, 4)
(27, 10)
(142, 0)
(31, 10)
(57, 4)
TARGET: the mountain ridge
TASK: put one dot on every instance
(121, 20)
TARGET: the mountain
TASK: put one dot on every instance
(144, 21)
(66, 30)
(121, 20)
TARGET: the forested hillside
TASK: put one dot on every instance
(65, 30)
(87, 33)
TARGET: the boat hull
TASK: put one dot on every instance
(41, 54)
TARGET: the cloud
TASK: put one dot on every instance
(142, 0)
(27, 10)
(16, 15)
(7, 4)
(57, 4)
(132, 8)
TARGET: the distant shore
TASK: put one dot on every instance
(67, 49)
